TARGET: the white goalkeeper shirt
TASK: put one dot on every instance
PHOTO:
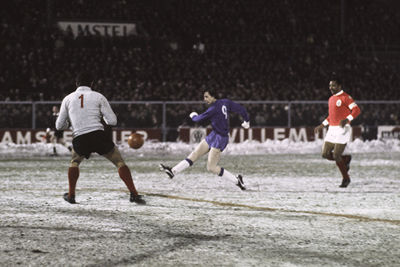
(83, 109)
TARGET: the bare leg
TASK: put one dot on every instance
(332, 151)
(201, 149)
(212, 165)
(338, 151)
(213, 160)
(341, 162)
(115, 157)
(76, 159)
(327, 149)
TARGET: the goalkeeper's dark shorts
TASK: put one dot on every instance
(96, 141)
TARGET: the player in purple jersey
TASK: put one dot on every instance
(216, 141)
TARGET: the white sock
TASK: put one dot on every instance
(229, 176)
(180, 166)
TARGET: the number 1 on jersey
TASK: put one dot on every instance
(81, 97)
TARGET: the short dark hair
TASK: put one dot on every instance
(85, 78)
(212, 92)
(336, 79)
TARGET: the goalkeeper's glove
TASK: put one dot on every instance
(246, 124)
(193, 114)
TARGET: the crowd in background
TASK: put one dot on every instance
(246, 50)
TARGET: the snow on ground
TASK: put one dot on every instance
(293, 213)
(246, 148)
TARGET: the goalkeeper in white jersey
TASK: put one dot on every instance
(84, 109)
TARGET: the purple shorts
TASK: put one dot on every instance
(217, 141)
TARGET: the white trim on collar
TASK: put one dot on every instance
(83, 88)
(339, 93)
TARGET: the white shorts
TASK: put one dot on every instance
(339, 135)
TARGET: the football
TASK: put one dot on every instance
(135, 141)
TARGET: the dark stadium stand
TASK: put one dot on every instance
(253, 50)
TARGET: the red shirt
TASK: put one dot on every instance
(342, 106)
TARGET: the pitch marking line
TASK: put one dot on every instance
(227, 204)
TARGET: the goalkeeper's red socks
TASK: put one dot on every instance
(124, 173)
(73, 175)
(126, 176)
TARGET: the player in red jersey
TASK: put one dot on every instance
(342, 110)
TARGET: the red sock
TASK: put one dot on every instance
(343, 169)
(126, 176)
(73, 175)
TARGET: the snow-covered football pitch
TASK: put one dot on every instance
(292, 214)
